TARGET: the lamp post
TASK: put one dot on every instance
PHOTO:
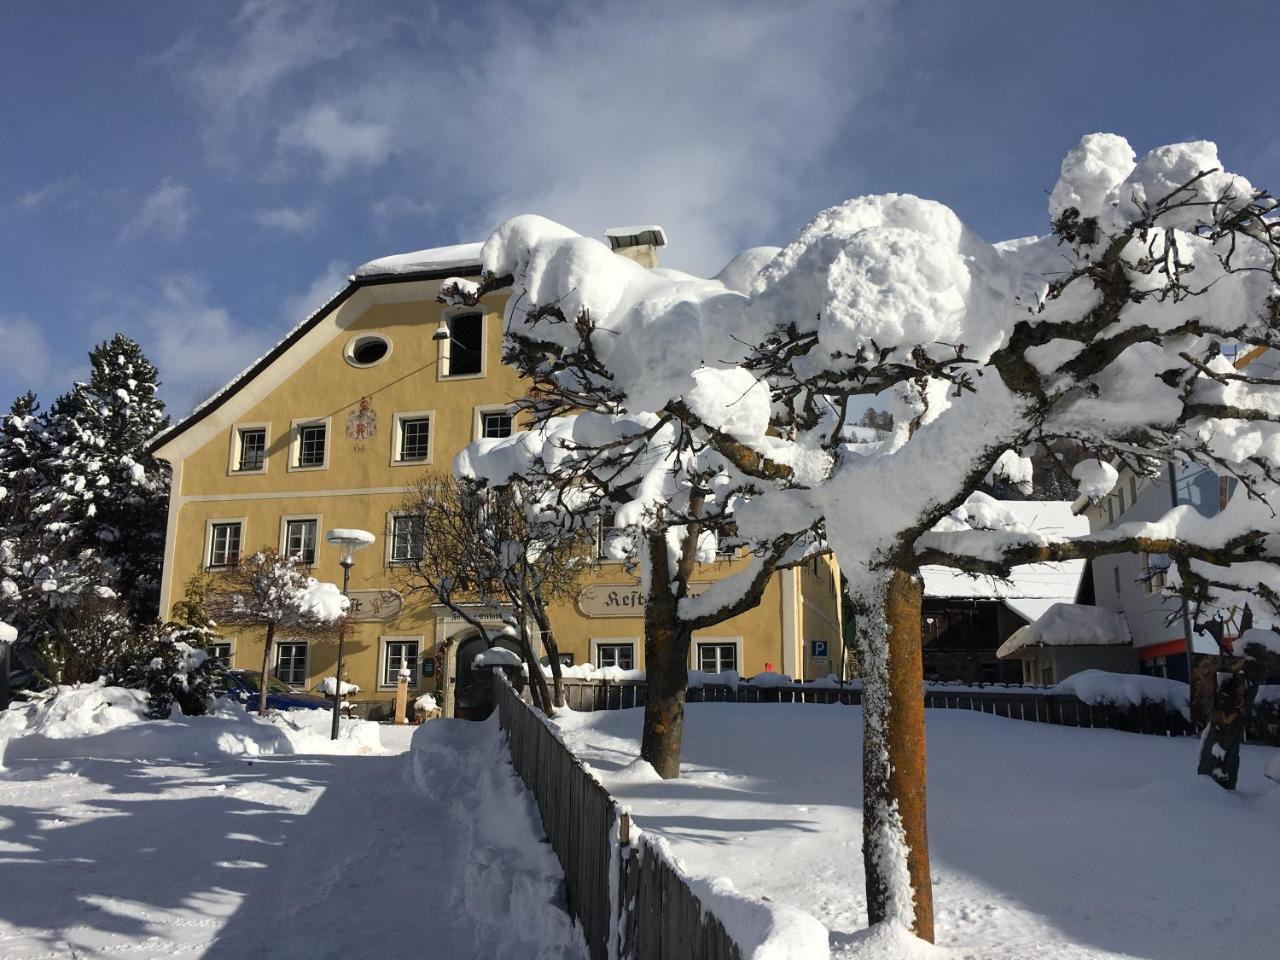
(348, 541)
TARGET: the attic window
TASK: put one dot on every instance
(368, 350)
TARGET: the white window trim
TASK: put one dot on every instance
(306, 665)
(382, 658)
(390, 537)
(397, 420)
(234, 461)
(477, 419)
(295, 440)
(207, 559)
(442, 352)
(284, 531)
(696, 640)
(348, 351)
(595, 643)
(231, 650)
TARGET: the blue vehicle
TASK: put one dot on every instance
(244, 685)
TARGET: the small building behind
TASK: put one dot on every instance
(967, 618)
(1068, 638)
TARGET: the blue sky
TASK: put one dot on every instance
(201, 175)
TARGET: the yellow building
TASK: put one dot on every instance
(330, 428)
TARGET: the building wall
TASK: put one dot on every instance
(1063, 662)
(362, 486)
(1120, 582)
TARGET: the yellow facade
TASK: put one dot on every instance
(309, 379)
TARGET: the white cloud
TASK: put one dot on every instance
(236, 78)
(24, 354)
(719, 120)
(288, 219)
(342, 145)
(321, 290)
(166, 213)
(64, 191)
(196, 344)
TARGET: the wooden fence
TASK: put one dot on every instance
(1018, 703)
(629, 900)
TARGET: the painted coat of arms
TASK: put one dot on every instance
(362, 422)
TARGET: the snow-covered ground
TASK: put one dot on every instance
(1047, 842)
(382, 850)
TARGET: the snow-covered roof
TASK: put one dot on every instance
(419, 261)
(1069, 625)
(1051, 582)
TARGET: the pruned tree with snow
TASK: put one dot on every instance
(500, 551)
(272, 592)
(1114, 331)
(663, 498)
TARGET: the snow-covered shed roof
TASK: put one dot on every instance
(1069, 625)
(1031, 588)
(436, 263)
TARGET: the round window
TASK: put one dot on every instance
(368, 350)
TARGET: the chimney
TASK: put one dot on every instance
(637, 243)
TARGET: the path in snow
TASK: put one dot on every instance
(281, 857)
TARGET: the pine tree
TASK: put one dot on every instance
(100, 488)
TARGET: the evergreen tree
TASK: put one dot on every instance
(100, 488)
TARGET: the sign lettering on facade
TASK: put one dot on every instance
(620, 599)
(375, 605)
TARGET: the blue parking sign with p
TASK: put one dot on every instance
(819, 648)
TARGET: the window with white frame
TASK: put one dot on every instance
(397, 654)
(717, 657)
(300, 540)
(465, 348)
(291, 663)
(408, 538)
(495, 424)
(251, 450)
(605, 531)
(310, 449)
(224, 543)
(620, 655)
(220, 652)
(413, 437)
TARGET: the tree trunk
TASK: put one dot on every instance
(537, 680)
(540, 617)
(666, 658)
(895, 843)
(266, 661)
(1221, 740)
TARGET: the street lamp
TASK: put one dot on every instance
(348, 541)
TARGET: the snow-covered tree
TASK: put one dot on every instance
(1115, 330)
(83, 508)
(663, 499)
(98, 481)
(501, 550)
(46, 571)
(271, 591)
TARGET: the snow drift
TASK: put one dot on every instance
(102, 722)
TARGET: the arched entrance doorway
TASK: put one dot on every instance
(473, 689)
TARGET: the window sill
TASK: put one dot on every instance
(247, 473)
(384, 688)
(424, 462)
(462, 376)
(298, 468)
